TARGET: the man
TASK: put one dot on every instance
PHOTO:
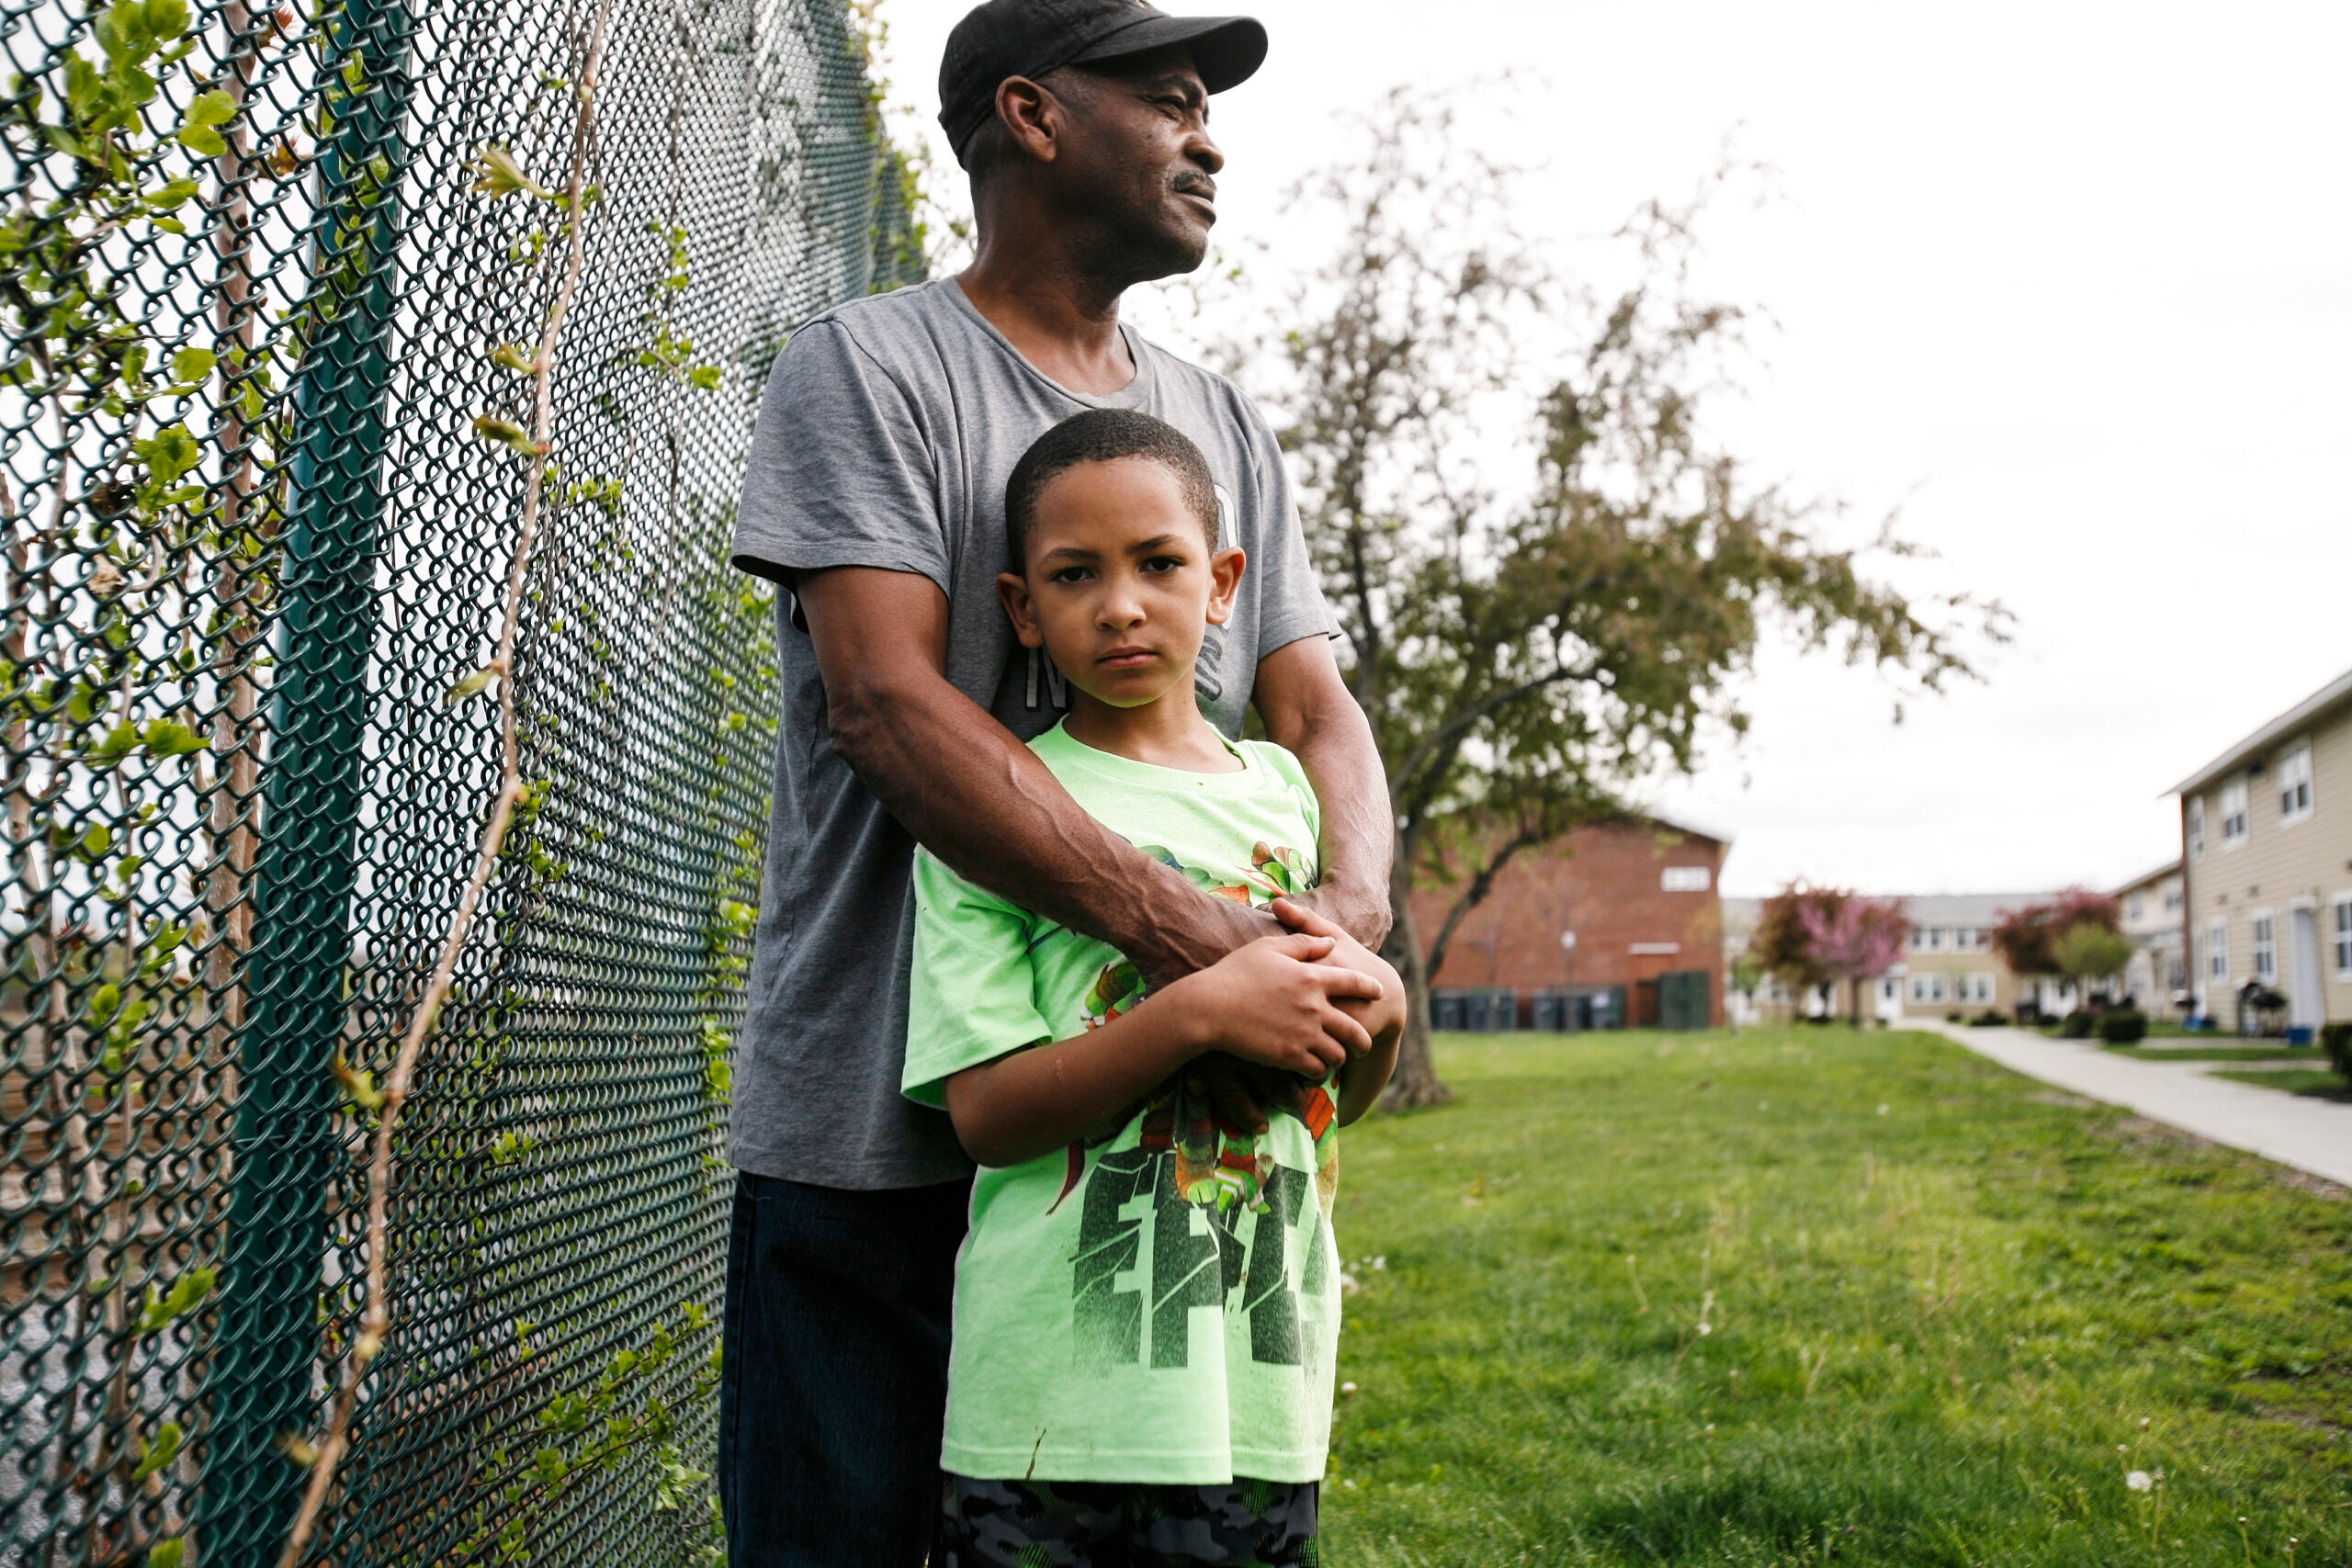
(875, 496)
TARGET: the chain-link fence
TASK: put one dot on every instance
(311, 321)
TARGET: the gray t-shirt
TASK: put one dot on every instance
(887, 430)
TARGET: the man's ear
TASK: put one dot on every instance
(1014, 589)
(1032, 117)
(1225, 581)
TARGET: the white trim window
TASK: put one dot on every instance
(2195, 828)
(1929, 989)
(2217, 949)
(2265, 945)
(2293, 772)
(1978, 988)
(2235, 820)
(2340, 922)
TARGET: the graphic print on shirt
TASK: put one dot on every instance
(1150, 1252)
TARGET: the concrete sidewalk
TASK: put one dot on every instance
(2313, 1135)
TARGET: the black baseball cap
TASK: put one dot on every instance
(1029, 38)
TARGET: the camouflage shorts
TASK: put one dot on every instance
(1079, 1523)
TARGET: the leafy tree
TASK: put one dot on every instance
(1526, 650)
(2087, 951)
(1815, 937)
(2026, 938)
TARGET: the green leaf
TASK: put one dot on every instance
(215, 107)
(202, 139)
(169, 453)
(358, 1086)
(192, 364)
(473, 685)
(159, 1453)
(82, 87)
(186, 1291)
(170, 737)
(496, 174)
(119, 742)
(167, 1553)
(704, 378)
(549, 1464)
(165, 18)
(506, 433)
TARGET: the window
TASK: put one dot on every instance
(1979, 989)
(2294, 775)
(1919, 938)
(2343, 923)
(2172, 900)
(1935, 939)
(2266, 946)
(1930, 988)
(2196, 828)
(2217, 949)
(2137, 910)
(2233, 814)
(1683, 879)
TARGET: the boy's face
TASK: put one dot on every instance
(1119, 584)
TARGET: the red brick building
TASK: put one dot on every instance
(1639, 897)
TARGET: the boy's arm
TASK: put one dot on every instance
(1270, 1002)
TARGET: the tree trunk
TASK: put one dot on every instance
(1415, 1081)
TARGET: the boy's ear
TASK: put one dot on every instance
(1225, 581)
(1014, 589)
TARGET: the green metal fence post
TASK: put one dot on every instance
(261, 1384)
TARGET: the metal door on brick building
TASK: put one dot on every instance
(1684, 999)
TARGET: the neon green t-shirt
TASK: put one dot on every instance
(1159, 1302)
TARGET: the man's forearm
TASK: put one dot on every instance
(998, 816)
(1309, 711)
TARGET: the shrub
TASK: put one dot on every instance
(1955, 1018)
(2124, 1026)
(2077, 1025)
(2335, 1039)
(1991, 1018)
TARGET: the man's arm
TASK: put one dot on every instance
(1309, 712)
(977, 797)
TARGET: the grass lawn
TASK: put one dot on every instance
(2318, 1082)
(1804, 1296)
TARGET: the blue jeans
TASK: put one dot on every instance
(833, 1371)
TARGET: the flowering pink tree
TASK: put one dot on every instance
(1853, 939)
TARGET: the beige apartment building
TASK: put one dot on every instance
(2267, 836)
(1948, 966)
(2154, 914)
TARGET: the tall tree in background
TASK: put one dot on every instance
(1548, 571)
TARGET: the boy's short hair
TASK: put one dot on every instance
(1104, 435)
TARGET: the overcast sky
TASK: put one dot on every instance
(2070, 284)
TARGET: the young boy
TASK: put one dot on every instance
(1147, 1304)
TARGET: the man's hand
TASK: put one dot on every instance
(1381, 1015)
